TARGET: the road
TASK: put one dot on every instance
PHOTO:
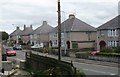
(87, 68)
(91, 69)
(16, 59)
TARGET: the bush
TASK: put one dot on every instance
(82, 55)
(108, 54)
(108, 50)
(80, 73)
(117, 50)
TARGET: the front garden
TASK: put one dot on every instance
(106, 54)
(112, 52)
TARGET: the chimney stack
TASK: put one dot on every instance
(24, 27)
(17, 27)
(30, 26)
(44, 22)
(71, 16)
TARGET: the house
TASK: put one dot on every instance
(0, 37)
(108, 34)
(25, 34)
(74, 34)
(41, 34)
(15, 35)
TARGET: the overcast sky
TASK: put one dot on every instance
(19, 12)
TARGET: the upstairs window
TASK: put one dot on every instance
(55, 35)
(101, 33)
(112, 32)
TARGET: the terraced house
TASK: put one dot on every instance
(108, 34)
(41, 34)
(74, 34)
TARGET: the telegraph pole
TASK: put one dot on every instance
(59, 31)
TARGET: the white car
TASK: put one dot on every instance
(37, 46)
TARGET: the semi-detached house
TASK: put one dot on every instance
(74, 34)
(41, 34)
(108, 34)
(15, 35)
(23, 34)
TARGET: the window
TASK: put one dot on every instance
(54, 42)
(62, 35)
(67, 35)
(35, 36)
(31, 36)
(112, 43)
(112, 32)
(62, 43)
(55, 35)
(101, 33)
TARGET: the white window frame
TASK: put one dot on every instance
(112, 32)
(112, 43)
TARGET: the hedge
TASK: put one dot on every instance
(108, 54)
(82, 55)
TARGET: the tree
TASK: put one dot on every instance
(5, 35)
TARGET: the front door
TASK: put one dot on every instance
(102, 45)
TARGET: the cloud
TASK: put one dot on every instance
(20, 12)
(94, 13)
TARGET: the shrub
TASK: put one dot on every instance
(117, 50)
(80, 73)
(82, 54)
(108, 54)
(108, 50)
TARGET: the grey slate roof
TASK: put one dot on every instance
(16, 32)
(26, 31)
(44, 28)
(112, 24)
(74, 24)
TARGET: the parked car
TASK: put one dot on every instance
(17, 47)
(10, 52)
(37, 46)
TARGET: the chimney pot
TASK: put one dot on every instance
(24, 27)
(17, 27)
(71, 16)
(44, 22)
(31, 26)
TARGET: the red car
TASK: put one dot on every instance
(10, 52)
